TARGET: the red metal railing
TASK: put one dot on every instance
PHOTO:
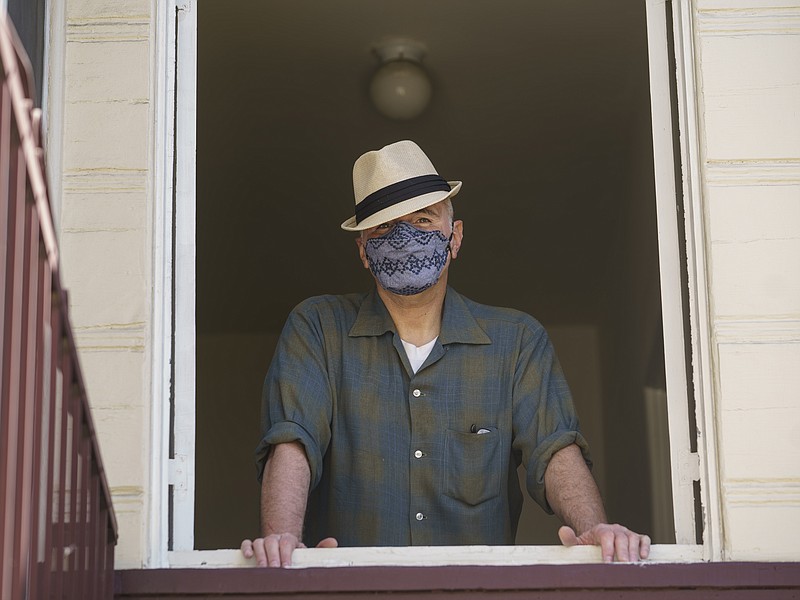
(57, 525)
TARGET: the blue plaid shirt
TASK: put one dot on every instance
(395, 458)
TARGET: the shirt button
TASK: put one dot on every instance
(418, 454)
(420, 516)
(416, 393)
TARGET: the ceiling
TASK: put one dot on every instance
(539, 107)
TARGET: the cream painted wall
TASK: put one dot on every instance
(105, 235)
(747, 66)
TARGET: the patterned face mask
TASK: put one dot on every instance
(407, 260)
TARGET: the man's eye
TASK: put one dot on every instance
(383, 226)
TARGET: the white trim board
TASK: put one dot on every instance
(174, 141)
(182, 467)
(684, 463)
(53, 102)
(163, 57)
(431, 556)
(698, 274)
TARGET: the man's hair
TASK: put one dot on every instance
(448, 203)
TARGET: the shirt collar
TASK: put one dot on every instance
(458, 324)
(373, 319)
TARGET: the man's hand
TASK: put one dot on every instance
(574, 497)
(615, 541)
(284, 492)
(276, 550)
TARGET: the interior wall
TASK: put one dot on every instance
(230, 373)
(578, 350)
(631, 334)
(534, 119)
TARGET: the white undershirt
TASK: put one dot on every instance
(418, 354)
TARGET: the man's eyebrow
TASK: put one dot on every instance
(427, 210)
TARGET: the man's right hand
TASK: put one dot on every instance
(275, 550)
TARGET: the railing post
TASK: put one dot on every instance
(5, 223)
(11, 385)
(59, 500)
(53, 444)
(23, 541)
(42, 436)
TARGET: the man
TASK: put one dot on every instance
(400, 416)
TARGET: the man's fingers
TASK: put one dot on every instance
(276, 550)
(616, 542)
(607, 539)
(633, 546)
(260, 552)
(621, 546)
(644, 547)
(567, 536)
(247, 548)
(272, 548)
(286, 545)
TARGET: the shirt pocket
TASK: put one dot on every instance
(472, 465)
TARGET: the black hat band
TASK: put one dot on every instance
(398, 192)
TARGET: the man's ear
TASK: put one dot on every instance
(361, 253)
(458, 237)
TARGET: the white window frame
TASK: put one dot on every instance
(698, 277)
(174, 239)
(687, 467)
(173, 365)
(53, 99)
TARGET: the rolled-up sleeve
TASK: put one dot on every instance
(545, 420)
(296, 399)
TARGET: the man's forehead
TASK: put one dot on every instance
(428, 210)
(434, 210)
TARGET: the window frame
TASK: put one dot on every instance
(170, 502)
(687, 467)
(170, 538)
(689, 161)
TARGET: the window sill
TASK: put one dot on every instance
(431, 556)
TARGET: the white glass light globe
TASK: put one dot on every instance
(400, 89)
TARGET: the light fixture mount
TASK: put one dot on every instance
(393, 49)
(400, 88)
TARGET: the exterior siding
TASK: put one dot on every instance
(105, 237)
(747, 57)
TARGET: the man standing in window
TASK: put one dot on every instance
(400, 416)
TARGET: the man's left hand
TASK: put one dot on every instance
(615, 541)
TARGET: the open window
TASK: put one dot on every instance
(542, 109)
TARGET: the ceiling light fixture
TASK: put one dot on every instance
(400, 88)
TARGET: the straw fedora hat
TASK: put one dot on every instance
(394, 181)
